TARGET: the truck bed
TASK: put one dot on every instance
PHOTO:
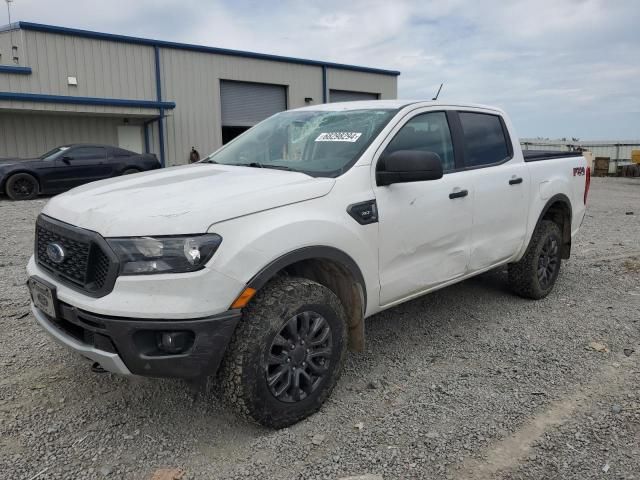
(538, 155)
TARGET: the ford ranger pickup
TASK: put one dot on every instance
(259, 264)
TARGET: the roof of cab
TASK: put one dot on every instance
(390, 104)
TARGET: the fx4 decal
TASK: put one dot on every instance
(578, 171)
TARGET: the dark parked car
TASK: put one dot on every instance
(69, 166)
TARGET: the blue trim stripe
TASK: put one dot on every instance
(324, 85)
(15, 69)
(156, 51)
(145, 126)
(71, 100)
(196, 48)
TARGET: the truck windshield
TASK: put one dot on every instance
(318, 143)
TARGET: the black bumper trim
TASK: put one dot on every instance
(211, 336)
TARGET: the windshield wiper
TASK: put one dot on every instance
(278, 167)
(268, 165)
(260, 165)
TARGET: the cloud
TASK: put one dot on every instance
(559, 67)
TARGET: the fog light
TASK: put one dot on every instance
(174, 342)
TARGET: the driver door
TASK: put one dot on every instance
(81, 165)
(424, 226)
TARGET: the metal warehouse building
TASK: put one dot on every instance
(60, 85)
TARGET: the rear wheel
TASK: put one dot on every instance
(286, 354)
(535, 274)
(22, 186)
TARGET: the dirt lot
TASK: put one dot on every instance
(469, 382)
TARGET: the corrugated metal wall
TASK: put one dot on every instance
(9, 39)
(384, 85)
(30, 135)
(109, 69)
(348, 96)
(103, 69)
(192, 80)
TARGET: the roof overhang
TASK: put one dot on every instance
(73, 100)
(38, 27)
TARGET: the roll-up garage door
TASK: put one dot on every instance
(244, 104)
(348, 96)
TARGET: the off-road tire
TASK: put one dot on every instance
(523, 275)
(15, 182)
(242, 375)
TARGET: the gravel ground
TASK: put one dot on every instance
(468, 382)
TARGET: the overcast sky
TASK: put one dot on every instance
(561, 68)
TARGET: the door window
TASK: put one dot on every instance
(428, 132)
(88, 153)
(484, 139)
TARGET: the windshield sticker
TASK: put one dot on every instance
(339, 137)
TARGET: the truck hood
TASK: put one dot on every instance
(181, 200)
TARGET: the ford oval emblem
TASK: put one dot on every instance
(56, 253)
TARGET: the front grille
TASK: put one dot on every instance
(100, 267)
(75, 267)
(88, 265)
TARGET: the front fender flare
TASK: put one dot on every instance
(308, 253)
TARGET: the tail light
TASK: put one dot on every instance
(587, 184)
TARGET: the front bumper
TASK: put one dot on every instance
(177, 296)
(128, 346)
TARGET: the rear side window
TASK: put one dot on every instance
(428, 132)
(86, 153)
(119, 152)
(484, 139)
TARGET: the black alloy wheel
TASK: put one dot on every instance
(299, 357)
(286, 353)
(535, 274)
(22, 186)
(548, 262)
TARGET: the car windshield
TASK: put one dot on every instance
(50, 155)
(318, 143)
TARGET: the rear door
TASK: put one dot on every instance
(80, 165)
(424, 227)
(501, 189)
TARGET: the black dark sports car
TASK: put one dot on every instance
(69, 166)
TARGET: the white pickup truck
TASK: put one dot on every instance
(261, 262)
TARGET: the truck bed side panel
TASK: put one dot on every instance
(557, 176)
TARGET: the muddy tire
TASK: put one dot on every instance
(22, 186)
(535, 274)
(286, 354)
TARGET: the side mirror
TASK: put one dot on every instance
(408, 166)
(66, 159)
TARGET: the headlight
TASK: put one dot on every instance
(141, 255)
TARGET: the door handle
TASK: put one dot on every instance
(515, 181)
(460, 194)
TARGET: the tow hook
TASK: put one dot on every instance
(97, 368)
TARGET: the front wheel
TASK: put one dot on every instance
(130, 171)
(535, 274)
(286, 354)
(22, 186)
